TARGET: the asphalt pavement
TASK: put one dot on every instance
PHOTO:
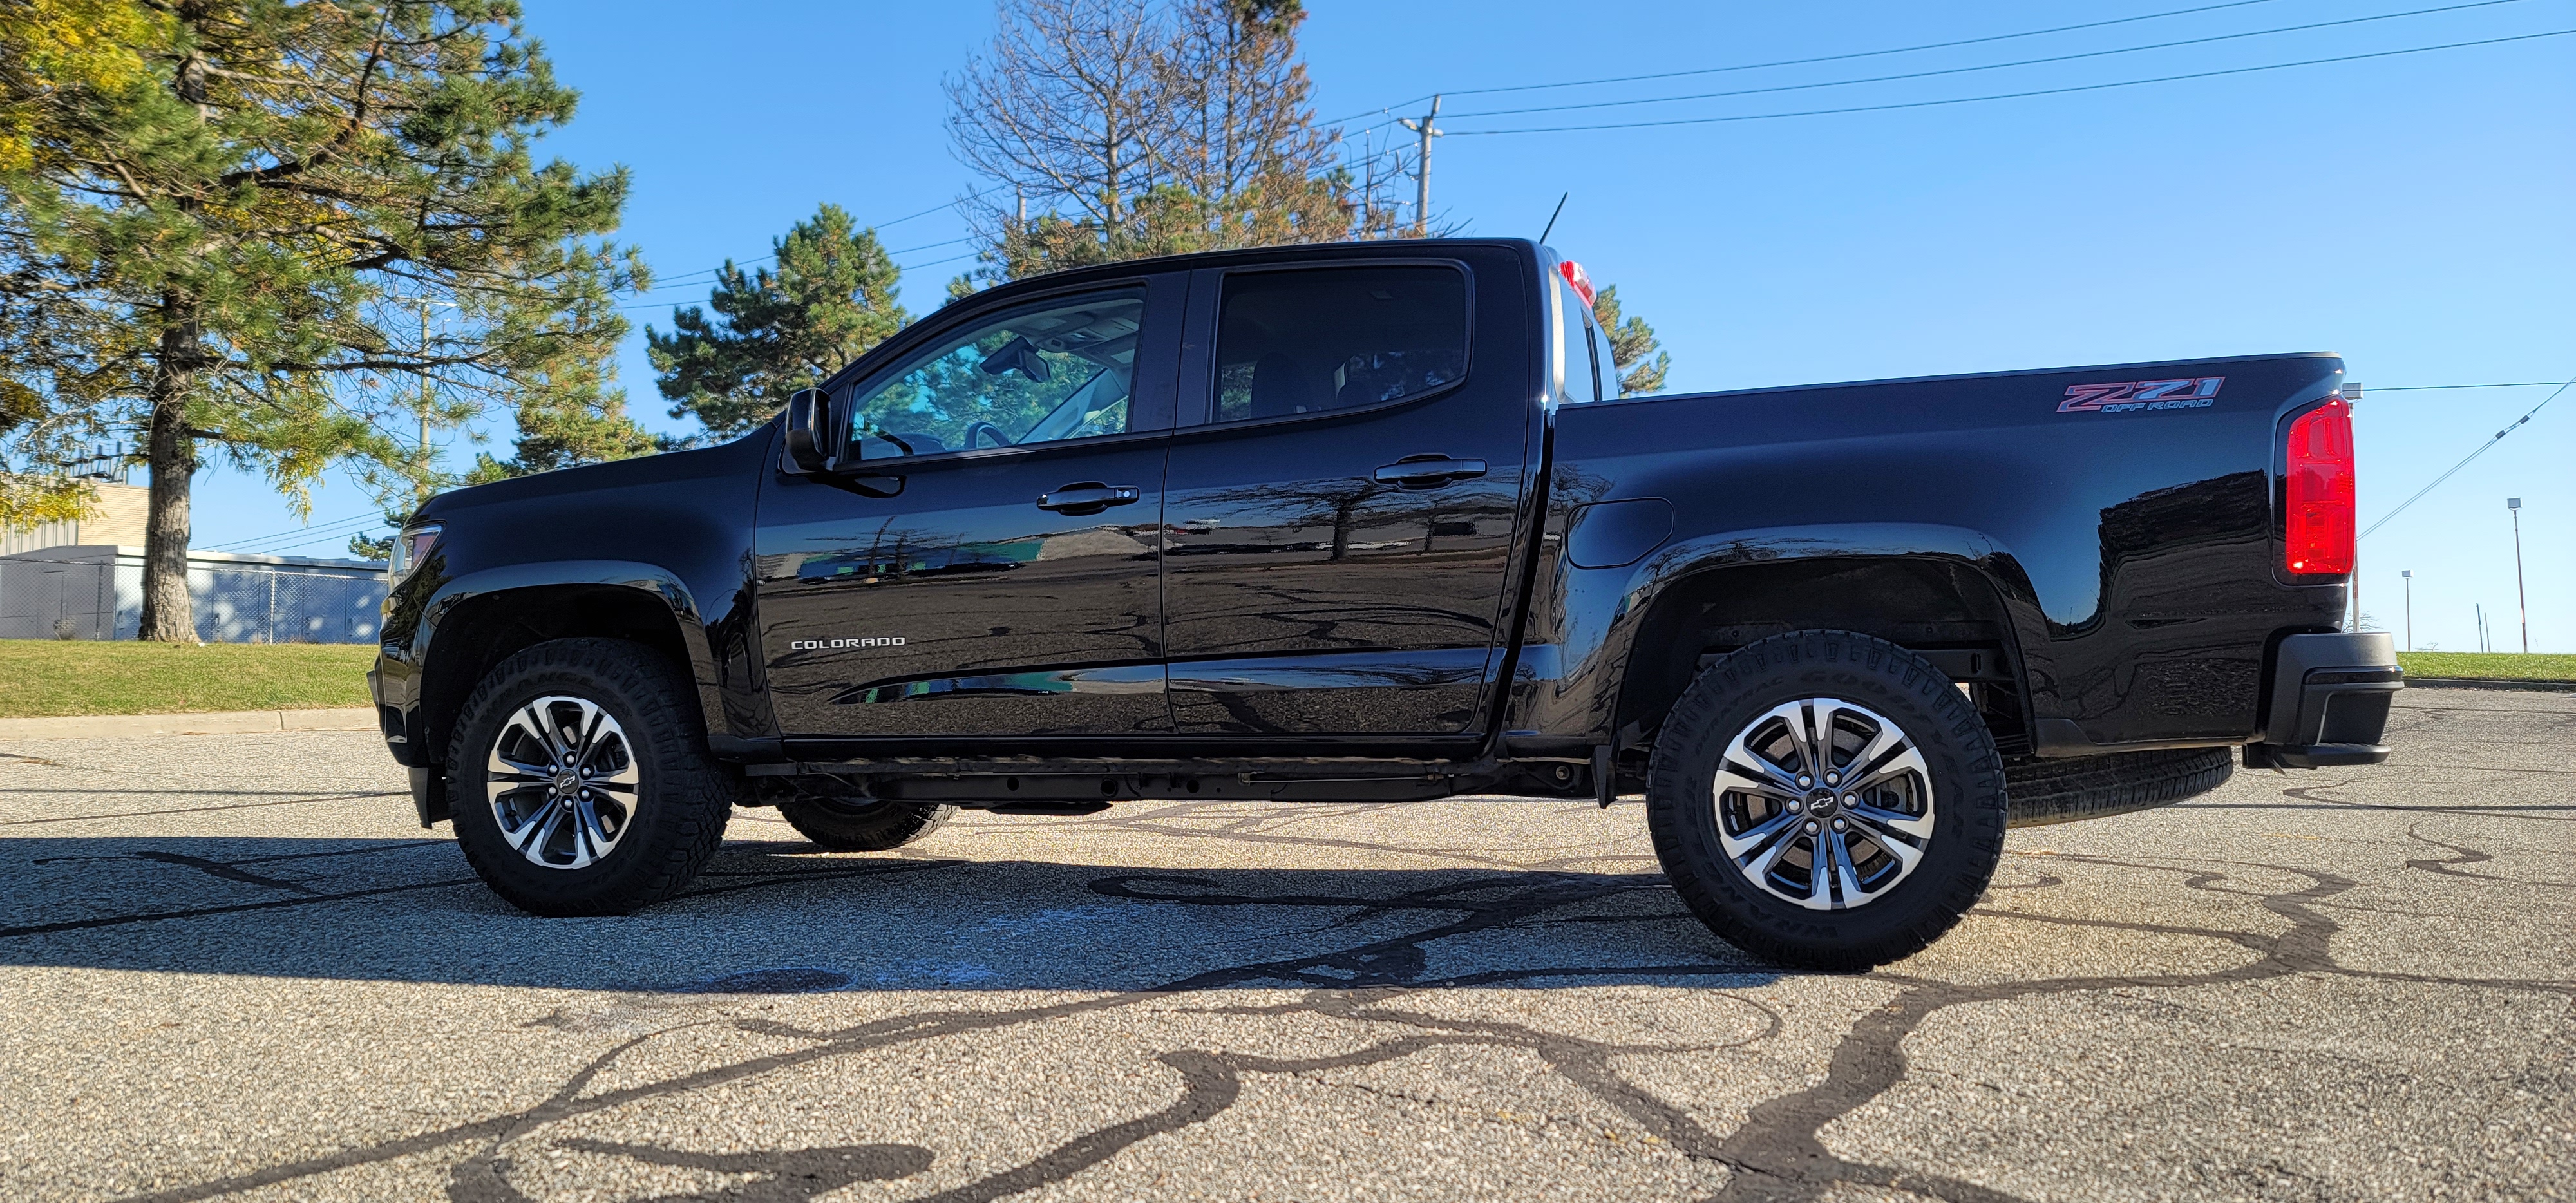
(232, 966)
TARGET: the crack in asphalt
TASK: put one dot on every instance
(1779, 1151)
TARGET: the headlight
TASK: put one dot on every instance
(412, 546)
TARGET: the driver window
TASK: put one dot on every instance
(1059, 370)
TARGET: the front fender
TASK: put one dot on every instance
(650, 579)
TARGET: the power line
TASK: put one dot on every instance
(684, 281)
(898, 267)
(284, 548)
(2510, 427)
(353, 525)
(936, 262)
(883, 225)
(1924, 104)
(2028, 62)
(2375, 389)
(1797, 62)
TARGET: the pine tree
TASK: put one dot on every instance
(265, 223)
(830, 298)
(1631, 341)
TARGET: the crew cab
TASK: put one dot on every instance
(1370, 522)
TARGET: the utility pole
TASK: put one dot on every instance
(420, 444)
(2408, 576)
(2521, 601)
(1422, 178)
(420, 448)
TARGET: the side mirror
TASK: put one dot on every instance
(807, 447)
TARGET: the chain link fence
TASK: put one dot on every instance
(233, 603)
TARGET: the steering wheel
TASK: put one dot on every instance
(979, 428)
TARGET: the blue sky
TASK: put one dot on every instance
(2411, 211)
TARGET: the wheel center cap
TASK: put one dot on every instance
(567, 781)
(1822, 803)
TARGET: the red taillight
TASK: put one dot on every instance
(2321, 491)
(1573, 273)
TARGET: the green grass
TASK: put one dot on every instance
(2490, 666)
(47, 677)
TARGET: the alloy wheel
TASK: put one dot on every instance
(562, 782)
(1824, 803)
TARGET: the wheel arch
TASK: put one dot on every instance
(479, 620)
(1944, 607)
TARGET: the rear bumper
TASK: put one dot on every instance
(2329, 702)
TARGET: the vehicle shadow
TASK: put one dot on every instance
(771, 917)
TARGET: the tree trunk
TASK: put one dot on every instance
(171, 452)
(172, 455)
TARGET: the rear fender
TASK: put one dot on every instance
(1571, 682)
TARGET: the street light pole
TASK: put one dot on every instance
(2521, 603)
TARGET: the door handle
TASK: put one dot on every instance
(1089, 497)
(1429, 471)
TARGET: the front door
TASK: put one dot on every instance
(1342, 499)
(988, 563)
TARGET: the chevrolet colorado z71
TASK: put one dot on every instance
(1369, 522)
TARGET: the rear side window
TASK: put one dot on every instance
(1312, 341)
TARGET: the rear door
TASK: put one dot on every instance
(989, 566)
(1342, 495)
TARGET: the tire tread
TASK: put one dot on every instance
(1723, 899)
(693, 794)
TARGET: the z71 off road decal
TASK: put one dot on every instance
(2195, 393)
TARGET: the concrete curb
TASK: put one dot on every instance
(229, 722)
(2486, 683)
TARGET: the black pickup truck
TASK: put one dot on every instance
(1370, 522)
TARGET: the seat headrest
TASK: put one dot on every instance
(1280, 387)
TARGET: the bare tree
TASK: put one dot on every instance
(1067, 105)
(1138, 128)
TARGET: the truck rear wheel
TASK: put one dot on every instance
(847, 824)
(580, 782)
(1826, 799)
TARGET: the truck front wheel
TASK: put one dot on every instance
(580, 782)
(1826, 799)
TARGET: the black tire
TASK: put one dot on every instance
(1965, 795)
(681, 796)
(862, 824)
(2094, 787)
